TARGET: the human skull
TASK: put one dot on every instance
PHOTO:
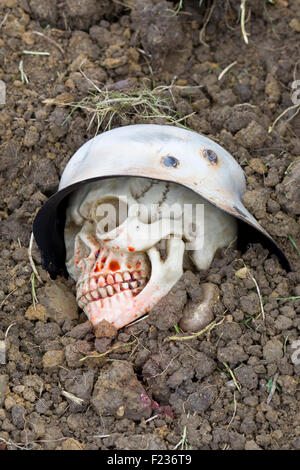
(124, 256)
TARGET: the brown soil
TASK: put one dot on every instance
(182, 385)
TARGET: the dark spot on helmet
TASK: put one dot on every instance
(170, 162)
(211, 156)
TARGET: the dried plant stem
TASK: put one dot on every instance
(232, 376)
(115, 348)
(273, 388)
(50, 40)
(198, 333)
(290, 108)
(243, 16)
(226, 70)
(202, 32)
(31, 259)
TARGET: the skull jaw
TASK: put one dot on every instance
(122, 309)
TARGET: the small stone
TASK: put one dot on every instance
(294, 24)
(242, 273)
(283, 323)
(59, 301)
(272, 415)
(102, 344)
(257, 165)
(28, 38)
(17, 416)
(81, 330)
(114, 62)
(201, 401)
(53, 359)
(116, 387)
(140, 442)
(42, 406)
(252, 137)
(251, 445)
(72, 444)
(104, 329)
(36, 312)
(80, 384)
(272, 89)
(76, 351)
(31, 137)
(3, 387)
(288, 384)
(233, 354)
(237, 441)
(203, 365)
(46, 332)
(247, 377)
(273, 350)
(248, 426)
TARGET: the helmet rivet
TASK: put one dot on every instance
(211, 156)
(170, 161)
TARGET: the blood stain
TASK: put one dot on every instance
(114, 266)
(130, 248)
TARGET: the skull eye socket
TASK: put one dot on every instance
(109, 214)
(170, 162)
(210, 155)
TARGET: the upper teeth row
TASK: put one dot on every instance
(110, 279)
(110, 290)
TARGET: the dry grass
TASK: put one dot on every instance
(105, 106)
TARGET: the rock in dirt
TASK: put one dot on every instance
(289, 190)
(253, 137)
(294, 24)
(247, 377)
(203, 365)
(233, 354)
(59, 301)
(202, 400)
(160, 30)
(119, 393)
(140, 442)
(46, 331)
(166, 313)
(80, 384)
(3, 386)
(72, 444)
(104, 329)
(76, 351)
(45, 12)
(251, 445)
(273, 350)
(81, 330)
(36, 312)
(18, 416)
(52, 359)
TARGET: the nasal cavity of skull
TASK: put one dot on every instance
(109, 213)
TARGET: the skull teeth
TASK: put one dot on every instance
(107, 286)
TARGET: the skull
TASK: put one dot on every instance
(125, 256)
